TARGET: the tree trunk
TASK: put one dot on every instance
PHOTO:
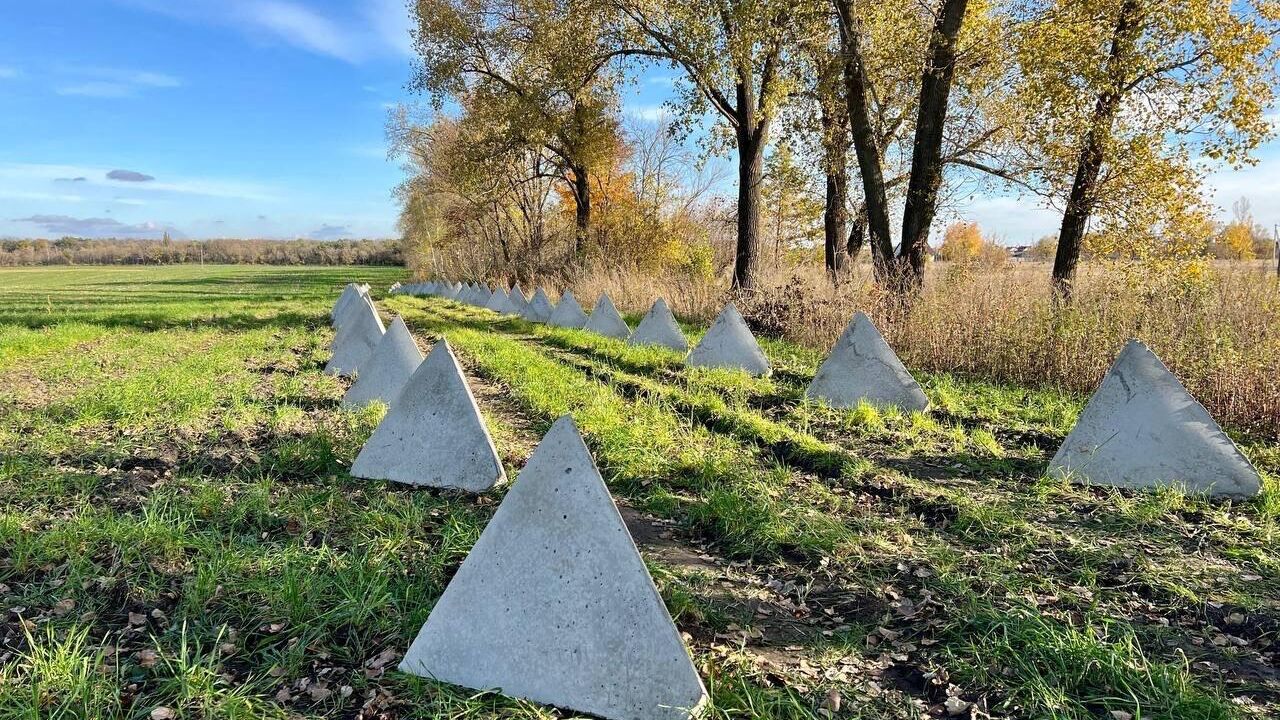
(751, 136)
(866, 149)
(926, 155)
(582, 216)
(1083, 197)
(857, 233)
(835, 220)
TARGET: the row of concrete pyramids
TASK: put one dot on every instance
(1155, 435)
(553, 603)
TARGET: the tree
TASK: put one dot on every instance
(962, 241)
(543, 73)
(1122, 96)
(736, 58)
(1237, 238)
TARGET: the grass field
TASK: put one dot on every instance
(179, 537)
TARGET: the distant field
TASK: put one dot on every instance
(178, 530)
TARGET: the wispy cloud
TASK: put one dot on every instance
(132, 176)
(21, 175)
(8, 73)
(96, 227)
(331, 232)
(304, 28)
(106, 82)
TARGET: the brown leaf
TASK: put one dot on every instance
(162, 713)
(146, 658)
(137, 619)
(832, 701)
(64, 606)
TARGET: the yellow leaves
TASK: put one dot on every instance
(962, 241)
(1237, 240)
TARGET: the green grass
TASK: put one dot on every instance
(178, 529)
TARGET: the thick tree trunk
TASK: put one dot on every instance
(1083, 197)
(835, 220)
(926, 155)
(582, 216)
(857, 233)
(865, 146)
(750, 178)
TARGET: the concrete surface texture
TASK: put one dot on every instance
(349, 310)
(482, 295)
(348, 294)
(518, 299)
(658, 327)
(433, 435)
(388, 368)
(606, 320)
(568, 313)
(862, 367)
(499, 303)
(1142, 429)
(355, 341)
(554, 604)
(730, 344)
(539, 308)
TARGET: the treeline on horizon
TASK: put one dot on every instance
(228, 251)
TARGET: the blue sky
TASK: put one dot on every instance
(262, 118)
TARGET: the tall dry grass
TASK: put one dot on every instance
(1219, 332)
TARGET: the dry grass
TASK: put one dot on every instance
(1220, 333)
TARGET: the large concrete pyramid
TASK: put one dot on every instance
(500, 303)
(353, 306)
(388, 368)
(349, 293)
(518, 300)
(1142, 429)
(539, 308)
(862, 367)
(568, 313)
(553, 603)
(658, 327)
(481, 296)
(354, 342)
(729, 344)
(433, 434)
(605, 320)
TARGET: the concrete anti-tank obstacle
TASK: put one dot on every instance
(433, 435)
(348, 300)
(353, 308)
(554, 604)
(606, 320)
(658, 327)
(388, 368)
(1142, 429)
(863, 368)
(500, 303)
(483, 293)
(518, 300)
(354, 343)
(568, 313)
(730, 344)
(539, 308)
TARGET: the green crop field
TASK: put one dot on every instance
(179, 537)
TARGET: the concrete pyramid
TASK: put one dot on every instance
(348, 309)
(355, 341)
(554, 604)
(1142, 429)
(729, 344)
(539, 308)
(568, 313)
(518, 300)
(358, 306)
(606, 321)
(658, 327)
(433, 434)
(344, 300)
(500, 303)
(861, 367)
(388, 368)
(482, 296)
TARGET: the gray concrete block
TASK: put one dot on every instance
(388, 368)
(518, 300)
(344, 300)
(862, 367)
(540, 308)
(606, 320)
(554, 604)
(1142, 429)
(346, 309)
(433, 435)
(568, 313)
(658, 327)
(354, 342)
(500, 303)
(730, 344)
(482, 295)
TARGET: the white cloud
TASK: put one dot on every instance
(19, 176)
(303, 28)
(108, 82)
(8, 73)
